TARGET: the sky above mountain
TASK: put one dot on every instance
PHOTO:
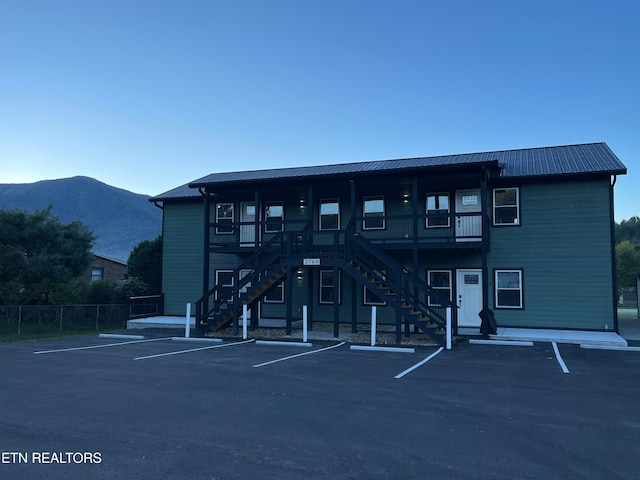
(148, 95)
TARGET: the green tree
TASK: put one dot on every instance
(627, 264)
(40, 257)
(145, 264)
(628, 230)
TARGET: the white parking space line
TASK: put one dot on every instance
(100, 346)
(178, 352)
(559, 358)
(298, 355)
(410, 369)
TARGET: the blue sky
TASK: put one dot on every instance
(149, 95)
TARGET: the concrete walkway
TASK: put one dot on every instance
(629, 330)
(560, 336)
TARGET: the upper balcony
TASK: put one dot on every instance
(436, 231)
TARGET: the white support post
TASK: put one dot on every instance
(304, 323)
(373, 326)
(448, 328)
(187, 322)
(244, 322)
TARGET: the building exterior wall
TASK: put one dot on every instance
(563, 247)
(183, 253)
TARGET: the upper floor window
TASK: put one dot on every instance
(506, 206)
(373, 213)
(438, 210)
(274, 214)
(508, 289)
(97, 273)
(224, 218)
(330, 214)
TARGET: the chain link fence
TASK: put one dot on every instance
(50, 319)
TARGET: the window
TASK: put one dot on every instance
(97, 273)
(508, 289)
(274, 213)
(275, 295)
(373, 213)
(326, 286)
(224, 278)
(438, 210)
(224, 218)
(330, 214)
(369, 297)
(439, 280)
(506, 206)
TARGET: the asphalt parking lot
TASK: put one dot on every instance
(248, 411)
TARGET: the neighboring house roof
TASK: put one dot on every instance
(97, 255)
(583, 159)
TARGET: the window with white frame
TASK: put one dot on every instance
(508, 289)
(327, 281)
(506, 206)
(373, 213)
(440, 280)
(224, 282)
(438, 210)
(275, 295)
(371, 298)
(330, 214)
(274, 214)
(224, 218)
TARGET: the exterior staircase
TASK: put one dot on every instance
(411, 298)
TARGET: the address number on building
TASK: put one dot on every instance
(311, 261)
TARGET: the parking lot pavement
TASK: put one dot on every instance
(473, 412)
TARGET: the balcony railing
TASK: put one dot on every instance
(435, 230)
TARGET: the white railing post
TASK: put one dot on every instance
(244, 321)
(448, 328)
(187, 322)
(304, 323)
(373, 326)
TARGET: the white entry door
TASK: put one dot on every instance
(468, 227)
(469, 297)
(247, 231)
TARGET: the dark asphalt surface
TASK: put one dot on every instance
(476, 411)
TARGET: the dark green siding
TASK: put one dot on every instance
(563, 246)
(182, 255)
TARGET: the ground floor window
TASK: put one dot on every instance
(440, 280)
(508, 289)
(275, 295)
(371, 298)
(327, 281)
(224, 279)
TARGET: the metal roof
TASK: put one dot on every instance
(583, 159)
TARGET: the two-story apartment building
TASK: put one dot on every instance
(523, 236)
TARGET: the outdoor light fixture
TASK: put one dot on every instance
(405, 198)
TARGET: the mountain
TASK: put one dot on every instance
(118, 218)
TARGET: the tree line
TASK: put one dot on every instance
(42, 258)
(627, 234)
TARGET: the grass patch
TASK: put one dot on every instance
(29, 337)
(627, 312)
